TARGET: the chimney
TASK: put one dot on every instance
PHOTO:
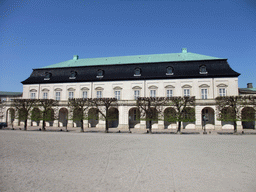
(184, 50)
(75, 57)
(249, 85)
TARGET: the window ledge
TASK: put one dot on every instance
(169, 73)
(99, 76)
(46, 79)
(72, 77)
(203, 73)
(137, 75)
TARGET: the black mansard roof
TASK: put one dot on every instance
(133, 71)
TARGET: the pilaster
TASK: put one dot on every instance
(198, 116)
(29, 122)
(15, 122)
(123, 117)
(70, 123)
(160, 124)
(239, 126)
(143, 124)
(86, 123)
(55, 123)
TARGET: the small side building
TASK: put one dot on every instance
(6, 98)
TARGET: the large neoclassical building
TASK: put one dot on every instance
(129, 77)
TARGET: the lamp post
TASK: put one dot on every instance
(204, 119)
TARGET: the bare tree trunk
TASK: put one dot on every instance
(25, 125)
(43, 128)
(150, 126)
(82, 125)
(106, 126)
(66, 127)
(235, 127)
(179, 127)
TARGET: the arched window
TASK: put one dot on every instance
(47, 76)
(100, 73)
(169, 70)
(202, 69)
(72, 74)
(137, 72)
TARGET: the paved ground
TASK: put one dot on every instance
(60, 161)
(136, 131)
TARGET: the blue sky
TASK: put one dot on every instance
(38, 33)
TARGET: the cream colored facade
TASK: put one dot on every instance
(205, 91)
(127, 88)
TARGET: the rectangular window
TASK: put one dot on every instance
(84, 94)
(204, 93)
(57, 96)
(152, 93)
(71, 95)
(99, 94)
(222, 92)
(32, 95)
(3, 99)
(186, 92)
(45, 95)
(169, 93)
(117, 95)
(136, 94)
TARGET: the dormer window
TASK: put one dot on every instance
(72, 75)
(100, 73)
(137, 72)
(202, 69)
(169, 70)
(47, 76)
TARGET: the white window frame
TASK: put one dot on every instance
(204, 93)
(136, 94)
(222, 92)
(32, 95)
(152, 93)
(45, 95)
(186, 92)
(169, 93)
(118, 94)
(57, 95)
(84, 94)
(99, 94)
(71, 94)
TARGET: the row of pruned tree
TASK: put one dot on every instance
(183, 111)
(24, 108)
(229, 109)
(79, 109)
(46, 109)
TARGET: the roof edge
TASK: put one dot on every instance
(43, 68)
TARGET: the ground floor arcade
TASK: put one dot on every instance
(125, 117)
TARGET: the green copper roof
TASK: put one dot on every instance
(4, 93)
(171, 57)
(248, 89)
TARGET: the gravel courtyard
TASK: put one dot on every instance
(59, 161)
